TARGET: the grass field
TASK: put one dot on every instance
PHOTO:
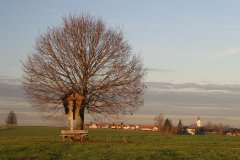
(29, 143)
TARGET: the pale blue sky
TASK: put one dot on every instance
(180, 41)
(183, 42)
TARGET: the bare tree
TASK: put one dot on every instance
(11, 119)
(158, 121)
(214, 127)
(86, 57)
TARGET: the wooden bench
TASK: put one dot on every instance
(74, 135)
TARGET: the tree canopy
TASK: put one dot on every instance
(85, 56)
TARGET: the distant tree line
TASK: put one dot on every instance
(166, 127)
(210, 127)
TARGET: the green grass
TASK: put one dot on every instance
(29, 143)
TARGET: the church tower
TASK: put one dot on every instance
(198, 122)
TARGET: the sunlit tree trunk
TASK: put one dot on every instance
(79, 112)
(80, 118)
(70, 115)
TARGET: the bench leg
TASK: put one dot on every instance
(83, 137)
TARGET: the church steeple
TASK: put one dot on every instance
(198, 122)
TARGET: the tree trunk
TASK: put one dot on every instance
(70, 115)
(80, 118)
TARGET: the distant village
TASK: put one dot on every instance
(123, 126)
(194, 129)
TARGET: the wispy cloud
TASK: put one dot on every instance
(226, 53)
(10, 80)
(230, 26)
(193, 87)
(161, 70)
(180, 100)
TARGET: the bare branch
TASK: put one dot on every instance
(85, 56)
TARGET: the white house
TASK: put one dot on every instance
(126, 127)
(191, 131)
(92, 125)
